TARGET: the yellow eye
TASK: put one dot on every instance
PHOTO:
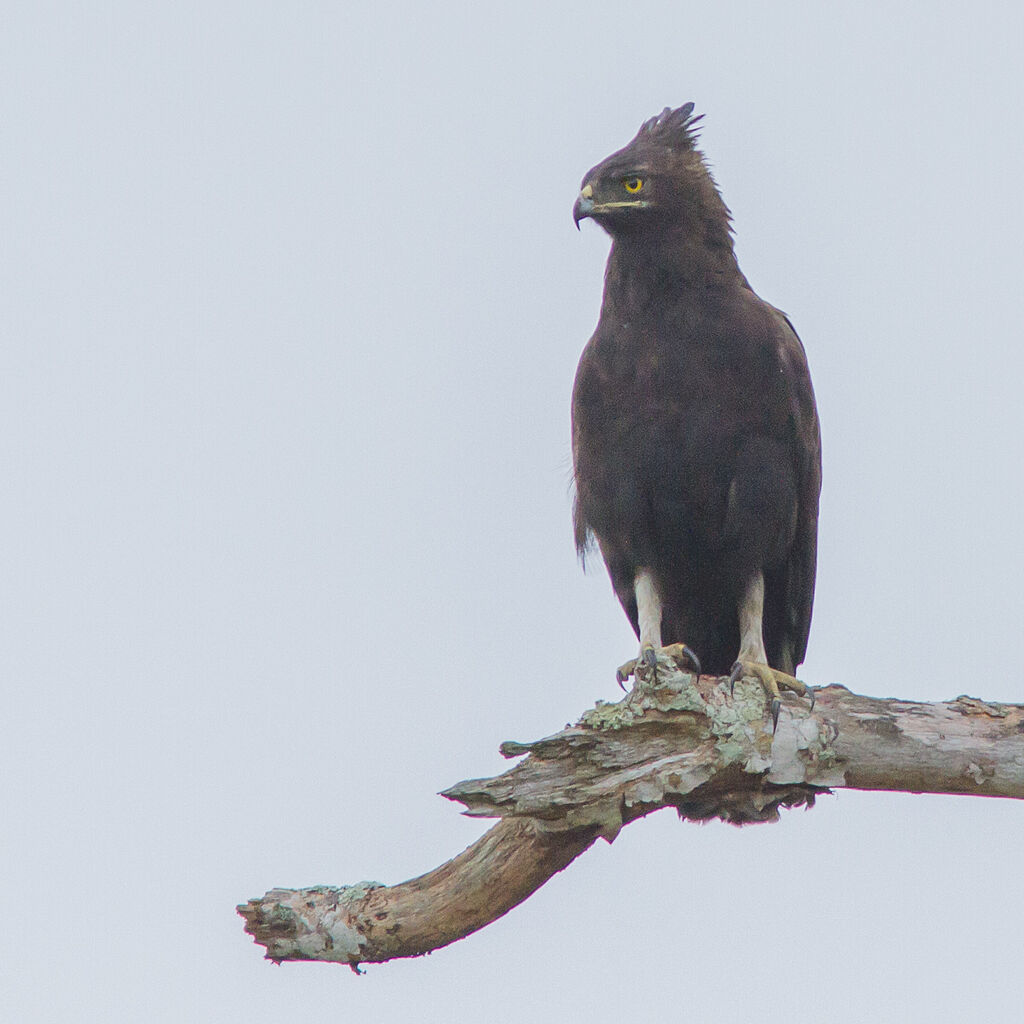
(633, 184)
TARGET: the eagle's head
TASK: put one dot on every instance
(658, 182)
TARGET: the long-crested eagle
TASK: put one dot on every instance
(695, 438)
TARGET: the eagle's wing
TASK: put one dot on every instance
(790, 619)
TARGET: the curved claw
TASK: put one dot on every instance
(810, 693)
(776, 704)
(694, 660)
(623, 672)
(734, 677)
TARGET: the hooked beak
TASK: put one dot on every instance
(584, 205)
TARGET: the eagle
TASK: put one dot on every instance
(695, 437)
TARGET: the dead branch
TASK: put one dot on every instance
(675, 742)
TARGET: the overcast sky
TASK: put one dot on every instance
(292, 305)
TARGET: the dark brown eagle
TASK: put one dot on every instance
(696, 445)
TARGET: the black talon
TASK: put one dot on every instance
(694, 660)
(810, 690)
(776, 704)
(734, 675)
(621, 675)
(649, 656)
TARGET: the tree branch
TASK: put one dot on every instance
(677, 742)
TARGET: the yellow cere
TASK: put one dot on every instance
(633, 184)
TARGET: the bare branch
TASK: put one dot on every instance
(371, 923)
(677, 742)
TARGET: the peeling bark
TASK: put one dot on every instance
(675, 742)
(370, 922)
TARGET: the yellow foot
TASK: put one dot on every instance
(648, 660)
(773, 681)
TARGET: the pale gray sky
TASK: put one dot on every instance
(292, 307)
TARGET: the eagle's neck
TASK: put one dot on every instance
(647, 271)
